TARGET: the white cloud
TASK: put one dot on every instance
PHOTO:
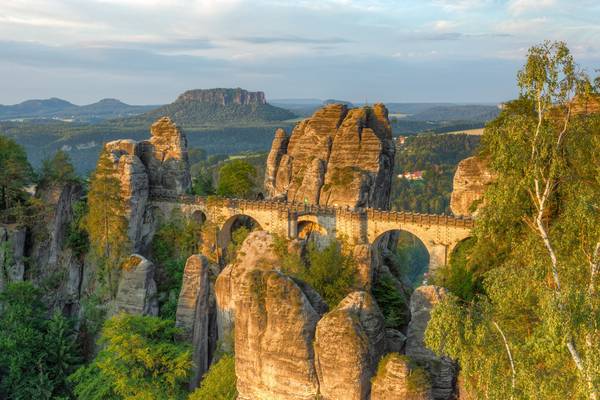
(444, 25)
(518, 7)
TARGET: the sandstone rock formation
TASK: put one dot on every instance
(223, 96)
(136, 293)
(166, 158)
(12, 253)
(470, 179)
(196, 314)
(274, 331)
(397, 380)
(336, 157)
(349, 341)
(257, 252)
(442, 371)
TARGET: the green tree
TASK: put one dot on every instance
(219, 382)
(36, 354)
(57, 170)
(202, 184)
(540, 305)
(236, 179)
(15, 173)
(140, 359)
(105, 221)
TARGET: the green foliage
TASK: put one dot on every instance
(219, 382)
(462, 275)
(105, 221)
(237, 238)
(77, 238)
(409, 259)
(236, 179)
(57, 170)
(139, 359)
(15, 173)
(391, 302)
(437, 156)
(36, 354)
(537, 249)
(328, 270)
(172, 244)
(203, 184)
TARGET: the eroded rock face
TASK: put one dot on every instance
(442, 370)
(274, 330)
(257, 252)
(397, 380)
(196, 314)
(336, 157)
(224, 96)
(137, 289)
(470, 180)
(349, 341)
(12, 251)
(165, 156)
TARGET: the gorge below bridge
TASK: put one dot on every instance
(439, 233)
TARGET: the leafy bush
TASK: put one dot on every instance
(219, 382)
(140, 358)
(328, 270)
(236, 179)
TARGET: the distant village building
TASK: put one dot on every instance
(412, 176)
(400, 140)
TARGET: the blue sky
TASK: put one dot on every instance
(148, 51)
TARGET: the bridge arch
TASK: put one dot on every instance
(310, 228)
(199, 216)
(233, 223)
(404, 252)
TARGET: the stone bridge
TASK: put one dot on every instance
(438, 233)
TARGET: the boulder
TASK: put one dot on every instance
(336, 157)
(136, 292)
(165, 156)
(274, 332)
(349, 341)
(196, 314)
(442, 370)
(396, 379)
(470, 180)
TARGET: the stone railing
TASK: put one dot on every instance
(301, 208)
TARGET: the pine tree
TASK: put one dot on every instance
(106, 221)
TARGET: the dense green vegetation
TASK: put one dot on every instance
(37, 352)
(531, 329)
(219, 381)
(329, 270)
(15, 173)
(175, 240)
(140, 358)
(236, 179)
(437, 156)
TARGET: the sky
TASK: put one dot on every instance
(149, 51)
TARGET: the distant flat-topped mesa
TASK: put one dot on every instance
(224, 96)
(337, 157)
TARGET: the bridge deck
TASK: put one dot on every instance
(300, 209)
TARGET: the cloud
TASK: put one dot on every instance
(444, 25)
(518, 7)
(291, 39)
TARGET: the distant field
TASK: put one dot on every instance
(476, 132)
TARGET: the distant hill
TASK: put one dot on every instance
(55, 108)
(216, 107)
(474, 112)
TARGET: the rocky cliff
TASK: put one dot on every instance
(223, 96)
(339, 156)
(470, 180)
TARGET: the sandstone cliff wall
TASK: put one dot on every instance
(470, 180)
